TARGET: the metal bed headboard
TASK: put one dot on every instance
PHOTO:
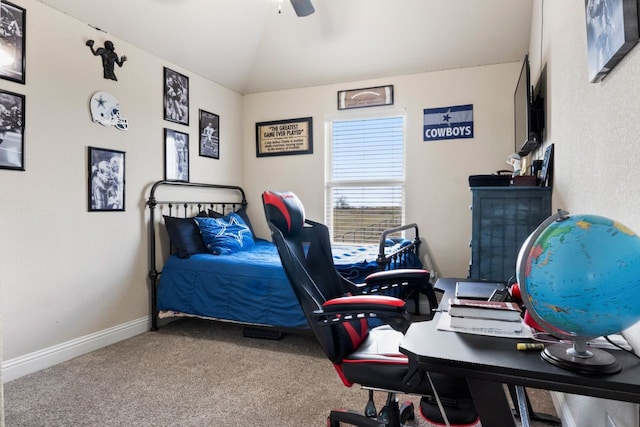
(234, 198)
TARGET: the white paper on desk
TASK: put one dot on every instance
(601, 342)
(445, 320)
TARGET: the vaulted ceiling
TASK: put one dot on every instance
(254, 46)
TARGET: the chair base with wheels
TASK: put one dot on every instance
(392, 414)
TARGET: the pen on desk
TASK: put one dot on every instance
(523, 346)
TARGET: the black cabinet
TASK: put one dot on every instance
(502, 219)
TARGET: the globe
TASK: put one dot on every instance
(579, 276)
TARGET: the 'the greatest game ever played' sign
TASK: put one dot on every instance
(283, 137)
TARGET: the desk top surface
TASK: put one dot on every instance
(496, 359)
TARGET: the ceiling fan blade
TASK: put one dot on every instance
(302, 7)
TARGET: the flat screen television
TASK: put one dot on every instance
(527, 136)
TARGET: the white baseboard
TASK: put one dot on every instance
(38, 360)
(563, 410)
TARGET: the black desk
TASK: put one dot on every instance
(489, 362)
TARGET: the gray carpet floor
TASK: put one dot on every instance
(193, 373)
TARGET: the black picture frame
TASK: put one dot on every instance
(13, 27)
(176, 97)
(612, 31)
(106, 187)
(546, 172)
(365, 97)
(284, 137)
(209, 126)
(12, 108)
(176, 155)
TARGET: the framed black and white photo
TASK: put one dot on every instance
(612, 30)
(546, 173)
(176, 155)
(209, 135)
(12, 41)
(11, 130)
(106, 180)
(176, 97)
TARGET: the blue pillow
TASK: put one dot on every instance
(241, 212)
(226, 235)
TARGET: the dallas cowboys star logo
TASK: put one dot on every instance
(233, 228)
(101, 101)
(446, 117)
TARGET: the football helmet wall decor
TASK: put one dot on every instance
(105, 110)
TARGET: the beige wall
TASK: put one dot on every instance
(438, 195)
(65, 272)
(595, 131)
(68, 273)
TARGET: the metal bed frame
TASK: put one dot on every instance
(234, 198)
(187, 207)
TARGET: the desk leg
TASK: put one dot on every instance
(491, 403)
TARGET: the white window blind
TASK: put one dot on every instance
(365, 180)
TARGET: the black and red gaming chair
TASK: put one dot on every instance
(399, 283)
(339, 321)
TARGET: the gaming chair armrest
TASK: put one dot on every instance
(390, 310)
(409, 278)
(398, 275)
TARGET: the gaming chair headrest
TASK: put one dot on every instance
(284, 210)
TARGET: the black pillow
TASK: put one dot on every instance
(214, 214)
(185, 237)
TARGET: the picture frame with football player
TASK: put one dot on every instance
(11, 130)
(209, 135)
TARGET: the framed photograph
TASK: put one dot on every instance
(176, 97)
(284, 137)
(366, 97)
(106, 180)
(11, 130)
(546, 173)
(612, 30)
(209, 135)
(176, 155)
(12, 41)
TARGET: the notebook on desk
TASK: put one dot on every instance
(477, 290)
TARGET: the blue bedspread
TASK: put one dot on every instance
(355, 262)
(248, 286)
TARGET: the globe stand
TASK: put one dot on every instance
(578, 357)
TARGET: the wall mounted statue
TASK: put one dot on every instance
(109, 58)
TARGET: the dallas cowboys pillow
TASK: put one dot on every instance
(226, 235)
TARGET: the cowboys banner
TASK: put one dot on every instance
(448, 122)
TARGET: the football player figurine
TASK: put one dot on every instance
(515, 161)
(109, 58)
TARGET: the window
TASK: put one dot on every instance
(365, 181)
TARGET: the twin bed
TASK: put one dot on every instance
(245, 286)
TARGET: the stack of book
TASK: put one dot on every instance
(499, 316)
